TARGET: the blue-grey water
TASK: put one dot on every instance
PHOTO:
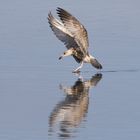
(40, 97)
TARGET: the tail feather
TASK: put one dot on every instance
(95, 63)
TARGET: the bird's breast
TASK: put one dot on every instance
(78, 53)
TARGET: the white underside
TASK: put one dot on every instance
(87, 59)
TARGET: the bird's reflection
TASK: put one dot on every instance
(69, 113)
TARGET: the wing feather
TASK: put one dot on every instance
(61, 32)
(75, 28)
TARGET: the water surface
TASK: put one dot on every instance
(40, 97)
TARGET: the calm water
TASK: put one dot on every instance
(40, 97)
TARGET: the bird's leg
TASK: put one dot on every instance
(66, 53)
(77, 69)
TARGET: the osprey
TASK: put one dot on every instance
(74, 36)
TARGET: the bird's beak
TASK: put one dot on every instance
(60, 57)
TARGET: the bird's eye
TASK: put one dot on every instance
(64, 53)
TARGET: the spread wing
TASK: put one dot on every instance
(61, 32)
(75, 28)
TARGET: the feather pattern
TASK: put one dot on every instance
(61, 32)
(74, 35)
(75, 28)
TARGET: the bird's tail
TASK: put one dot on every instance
(94, 62)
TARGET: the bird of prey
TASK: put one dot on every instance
(74, 36)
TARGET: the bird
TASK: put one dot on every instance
(70, 112)
(73, 34)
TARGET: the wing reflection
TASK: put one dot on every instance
(69, 113)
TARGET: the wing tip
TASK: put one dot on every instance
(50, 18)
(58, 9)
(49, 15)
(62, 13)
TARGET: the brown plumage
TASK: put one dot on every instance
(69, 113)
(73, 34)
